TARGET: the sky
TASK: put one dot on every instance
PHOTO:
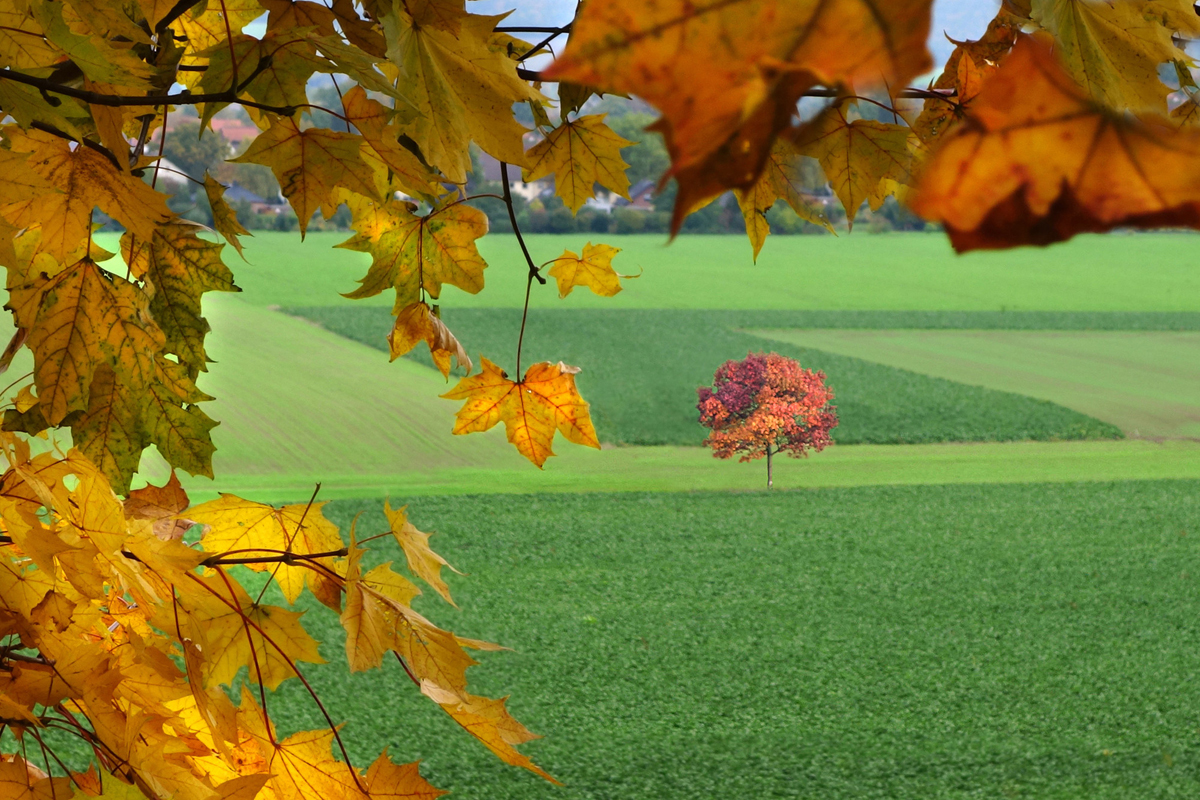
(961, 19)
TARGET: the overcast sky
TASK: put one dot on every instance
(961, 19)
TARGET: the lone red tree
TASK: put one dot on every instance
(766, 404)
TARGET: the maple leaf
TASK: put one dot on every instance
(489, 722)
(22, 45)
(863, 159)
(1005, 179)
(969, 64)
(417, 322)
(757, 57)
(93, 55)
(390, 781)
(1113, 50)
(79, 319)
(179, 267)
(161, 505)
(581, 153)
(422, 561)
(413, 253)
(593, 269)
(224, 217)
(234, 632)
(373, 120)
(368, 615)
(85, 180)
(310, 164)
(285, 14)
(20, 780)
(532, 409)
(241, 525)
(461, 87)
(779, 181)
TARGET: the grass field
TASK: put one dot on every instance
(283, 431)
(1148, 383)
(920, 642)
(641, 369)
(937, 620)
(1146, 272)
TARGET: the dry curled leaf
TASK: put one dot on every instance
(422, 561)
(417, 322)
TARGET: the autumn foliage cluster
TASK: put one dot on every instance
(766, 404)
(124, 632)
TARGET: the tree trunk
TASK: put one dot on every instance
(770, 481)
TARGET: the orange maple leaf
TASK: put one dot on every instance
(1039, 161)
(532, 409)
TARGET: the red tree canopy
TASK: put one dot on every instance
(766, 401)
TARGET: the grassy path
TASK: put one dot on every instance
(1146, 383)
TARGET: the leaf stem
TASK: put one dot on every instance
(533, 269)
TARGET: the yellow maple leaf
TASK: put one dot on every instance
(77, 320)
(253, 528)
(532, 409)
(593, 269)
(416, 322)
(1114, 50)
(310, 165)
(488, 721)
(161, 505)
(179, 267)
(863, 159)
(781, 179)
(461, 87)
(20, 780)
(1004, 178)
(413, 253)
(85, 180)
(422, 561)
(224, 217)
(389, 781)
(373, 121)
(233, 632)
(368, 617)
(22, 45)
(581, 153)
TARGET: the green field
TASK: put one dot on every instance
(641, 369)
(1148, 383)
(929, 618)
(1146, 272)
(919, 642)
(285, 428)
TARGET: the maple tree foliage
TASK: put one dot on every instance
(766, 404)
(124, 631)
